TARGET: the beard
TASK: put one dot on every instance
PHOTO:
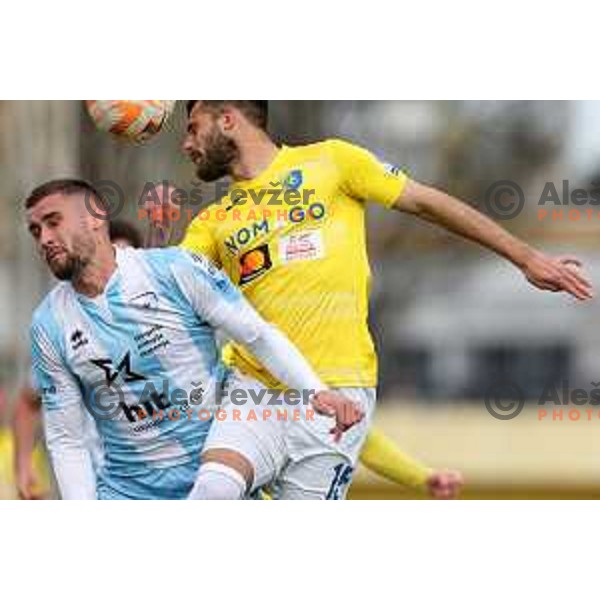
(68, 268)
(72, 263)
(219, 154)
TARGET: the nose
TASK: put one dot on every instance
(46, 238)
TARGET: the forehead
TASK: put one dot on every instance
(200, 112)
(55, 203)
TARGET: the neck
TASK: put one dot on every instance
(257, 152)
(92, 279)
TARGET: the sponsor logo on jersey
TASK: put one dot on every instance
(204, 262)
(151, 340)
(78, 340)
(316, 212)
(254, 263)
(148, 300)
(305, 245)
(146, 408)
(123, 368)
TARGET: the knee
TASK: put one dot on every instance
(217, 481)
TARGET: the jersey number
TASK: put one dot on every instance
(341, 480)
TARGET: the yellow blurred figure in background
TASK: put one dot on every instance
(38, 468)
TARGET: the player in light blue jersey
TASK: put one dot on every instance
(129, 335)
(27, 411)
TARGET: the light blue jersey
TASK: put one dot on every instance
(135, 357)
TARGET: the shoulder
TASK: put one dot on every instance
(199, 235)
(341, 149)
(327, 148)
(55, 303)
(47, 323)
(336, 152)
(169, 260)
(201, 223)
(157, 258)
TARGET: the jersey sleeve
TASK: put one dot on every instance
(199, 240)
(213, 297)
(381, 455)
(211, 294)
(64, 419)
(365, 177)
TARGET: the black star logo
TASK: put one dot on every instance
(124, 366)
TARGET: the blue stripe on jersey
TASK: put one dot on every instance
(201, 334)
(45, 320)
(52, 327)
(160, 264)
(121, 454)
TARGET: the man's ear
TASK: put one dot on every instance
(228, 119)
(96, 213)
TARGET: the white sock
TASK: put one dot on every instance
(216, 481)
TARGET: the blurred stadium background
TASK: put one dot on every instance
(448, 318)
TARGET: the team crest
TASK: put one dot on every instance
(293, 180)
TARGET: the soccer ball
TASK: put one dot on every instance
(133, 120)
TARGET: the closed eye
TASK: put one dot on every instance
(35, 230)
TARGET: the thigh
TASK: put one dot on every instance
(325, 476)
(250, 429)
(317, 467)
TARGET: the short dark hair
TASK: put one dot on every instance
(119, 229)
(257, 111)
(66, 187)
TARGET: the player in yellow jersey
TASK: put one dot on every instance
(379, 454)
(291, 234)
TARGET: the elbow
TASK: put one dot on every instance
(417, 200)
(59, 439)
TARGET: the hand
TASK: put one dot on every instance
(560, 274)
(346, 412)
(159, 205)
(28, 484)
(445, 485)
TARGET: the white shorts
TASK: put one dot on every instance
(294, 456)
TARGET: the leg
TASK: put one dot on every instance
(318, 468)
(218, 479)
(244, 450)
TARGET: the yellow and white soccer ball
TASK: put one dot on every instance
(133, 120)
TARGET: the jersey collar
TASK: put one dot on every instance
(268, 176)
(112, 282)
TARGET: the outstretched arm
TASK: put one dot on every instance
(214, 298)
(555, 274)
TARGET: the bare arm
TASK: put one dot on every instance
(544, 272)
(25, 427)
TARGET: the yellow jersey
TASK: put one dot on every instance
(293, 239)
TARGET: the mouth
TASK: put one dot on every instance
(197, 157)
(52, 255)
